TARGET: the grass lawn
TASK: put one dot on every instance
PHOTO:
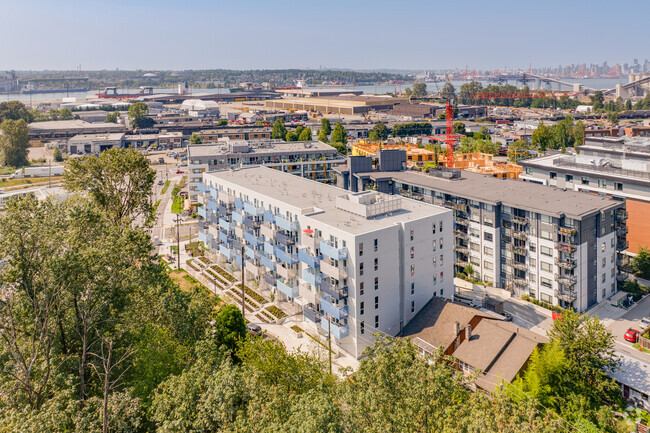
(7, 170)
(31, 181)
(177, 205)
(166, 187)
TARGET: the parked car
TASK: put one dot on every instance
(644, 324)
(254, 329)
(161, 160)
(179, 172)
(161, 183)
(632, 335)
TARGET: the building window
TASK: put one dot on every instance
(546, 251)
(533, 263)
(412, 234)
(547, 267)
(361, 288)
(568, 178)
(376, 245)
(412, 288)
(361, 268)
(435, 279)
(618, 186)
(360, 249)
(412, 252)
(602, 183)
(546, 282)
(442, 292)
(488, 222)
(442, 277)
(362, 328)
(487, 265)
(603, 247)
(412, 270)
(612, 258)
(487, 236)
(434, 261)
(441, 259)
(376, 322)
(532, 248)
(434, 228)
(376, 263)
(585, 180)
(434, 245)
(362, 308)
(376, 302)
(376, 283)
(412, 306)
(440, 243)
(604, 278)
(553, 175)
(604, 262)
(488, 251)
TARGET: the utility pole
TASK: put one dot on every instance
(243, 284)
(178, 240)
(329, 339)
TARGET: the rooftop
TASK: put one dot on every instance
(514, 193)
(319, 201)
(73, 124)
(112, 136)
(263, 147)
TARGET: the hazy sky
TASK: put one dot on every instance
(359, 34)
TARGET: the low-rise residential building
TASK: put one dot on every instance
(70, 128)
(214, 135)
(94, 143)
(310, 159)
(558, 246)
(170, 139)
(612, 167)
(138, 141)
(352, 263)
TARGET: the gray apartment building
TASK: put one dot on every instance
(558, 246)
(617, 167)
(309, 159)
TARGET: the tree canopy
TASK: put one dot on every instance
(305, 135)
(419, 90)
(14, 143)
(195, 138)
(339, 134)
(138, 114)
(279, 130)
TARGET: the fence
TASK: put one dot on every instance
(644, 343)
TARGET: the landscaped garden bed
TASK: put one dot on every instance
(279, 314)
(253, 294)
(224, 273)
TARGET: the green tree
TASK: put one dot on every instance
(230, 328)
(579, 133)
(299, 129)
(65, 114)
(279, 131)
(628, 105)
(597, 100)
(291, 136)
(112, 117)
(325, 126)
(222, 122)
(14, 143)
(340, 147)
(138, 114)
(120, 181)
(322, 136)
(381, 130)
(195, 138)
(459, 128)
(448, 91)
(542, 137)
(14, 110)
(339, 134)
(562, 133)
(408, 92)
(518, 150)
(612, 118)
(373, 136)
(57, 154)
(419, 90)
(641, 263)
(466, 91)
(305, 135)
(484, 130)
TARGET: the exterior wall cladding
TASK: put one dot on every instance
(374, 276)
(571, 262)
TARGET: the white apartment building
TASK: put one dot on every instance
(366, 262)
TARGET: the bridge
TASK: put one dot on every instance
(542, 82)
(629, 90)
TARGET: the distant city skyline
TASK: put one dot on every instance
(359, 35)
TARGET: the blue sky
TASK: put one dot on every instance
(358, 34)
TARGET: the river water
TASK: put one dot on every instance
(597, 83)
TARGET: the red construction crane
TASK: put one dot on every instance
(451, 139)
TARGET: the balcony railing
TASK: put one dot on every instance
(253, 210)
(333, 310)
(565, 279)
(462, 222)
(267, 261)
(288, 289)
(201, 211)
(239, 203)
(285, 273)
(284, 256)
(268, 247)
(336, 272)
(251, 253)
(309, 312)
(250, 223)
(565, 263)
(312, 277)
(269, 279)
(269, 217)
(237, 217)
(566, 246)
(201, 224)
(339, 331)
(252, 239)
(202, 236)
(213, 192)
(226, 252)
(568, 231)
(331, 251)
(308, 259)
(225, 224)
(519, 219)
(285, 224)
(566, 295)
(225, 237)
(461, 234)
(283, 239)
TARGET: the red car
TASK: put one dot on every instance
(179, 172)
(632, 335)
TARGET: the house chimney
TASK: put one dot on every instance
(456, 328)
(469, 332)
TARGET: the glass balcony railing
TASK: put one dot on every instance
(214, 193)
(200, 187)
(201, 211)
(285, 224)
(251, 253)
(270, 279)
(268, 248)
(225, 237)
(288, 289)
(239, 204)
(333, 310)
(212, 205)
(224, 224)
(253, 210)
(311, 276)
(338, 293)
(252, 239)
(339, 331)
(283, 239)
(202, 237)
(333, 252)
(227, 253)
(267, 261)
(309, 312)
(237, 217)
(308, 259)
(269, 217)
(290, 259)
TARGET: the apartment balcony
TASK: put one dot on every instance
(237, 244)
(566, 295)
(251, 253)
(267, 262)
(461, 249)
(237, 217)
(461, 234)
(254, 268)
(239, 204)
(200, 187)
(518, 265)
(267, 232)
(519, 250)
(289, 289)
(253, 240)
(202, 224)
(519, 235)
(269, 217)
(520, 283)
(201, 211)
(253, 210)
(621, 231)
(268, 247)
(311, 242)
(288, 258)
(223, 210)
(309, 312)
(338, 331)
(308, 259)
(570, 231)
(269, 279)
(202, 237)
(250, 223)
(621, 215)
(336, 272)
(213, 192)
(239, 232)
(462, 222)
(225, 225)
(519, 219)
(329, 289)
(226, 252)
(212, 205)
(333, 252)
(566, 246)
(333, 310)
(312, 277)
(283, 239)
(566, 279)
(285, 273)
(622, 244)
(226, 199)
(461, 263)
(284, 224)
(565, 263)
